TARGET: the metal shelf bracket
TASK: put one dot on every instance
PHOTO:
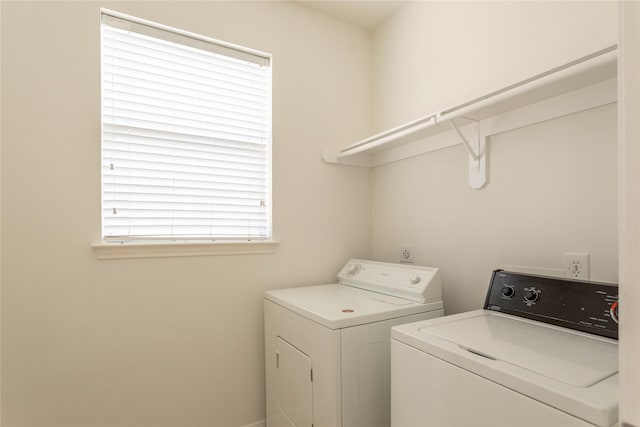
(472, 152)
(477, 153)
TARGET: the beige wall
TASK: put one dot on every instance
(552, 187)
(437, 54)
(178, 341)
(172, 341)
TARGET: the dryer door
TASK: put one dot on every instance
(294, 394)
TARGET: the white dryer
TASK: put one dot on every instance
(542, 352)
(327, 346)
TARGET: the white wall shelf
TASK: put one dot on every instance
(585, 83)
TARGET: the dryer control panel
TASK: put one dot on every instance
(411, 282)
(584, 306)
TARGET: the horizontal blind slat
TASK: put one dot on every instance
(123, 133)
(120, 53)
(177, 125)
(222, 113)
(163, 145)
(175, 81)
(234, 104)
(190, 66)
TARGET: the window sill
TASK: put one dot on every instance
(180, 249)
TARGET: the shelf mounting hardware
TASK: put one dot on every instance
(472, 152)
(477, 153)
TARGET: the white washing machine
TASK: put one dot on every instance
(543, 352)
(327, 346)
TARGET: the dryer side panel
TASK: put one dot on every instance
(366, 371)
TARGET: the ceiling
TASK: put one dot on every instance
(363, 13)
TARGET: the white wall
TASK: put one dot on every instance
(552, 187)
(172, 341)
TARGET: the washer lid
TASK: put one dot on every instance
(336, 306)
(557, 353)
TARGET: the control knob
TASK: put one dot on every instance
(415, 280)
(508, 291)
(352, 270)
(531, 295)
(614, 311)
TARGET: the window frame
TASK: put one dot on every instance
(134, 247)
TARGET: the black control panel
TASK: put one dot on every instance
(584, 306)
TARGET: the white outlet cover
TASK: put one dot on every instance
(576, 266)
(406, 253)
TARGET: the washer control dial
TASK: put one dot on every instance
(508, 291)
(614, 311)
(415, 280)
(531, 295)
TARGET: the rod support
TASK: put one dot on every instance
(476, 156)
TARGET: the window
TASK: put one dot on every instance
(186, 136)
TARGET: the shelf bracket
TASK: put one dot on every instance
(472, 152)
(477, 154)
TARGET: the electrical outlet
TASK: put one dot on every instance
(576, 266)
(406, 253)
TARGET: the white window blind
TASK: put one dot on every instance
(185, 136)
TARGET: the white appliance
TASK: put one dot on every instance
(327, 346)
(542, 352)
